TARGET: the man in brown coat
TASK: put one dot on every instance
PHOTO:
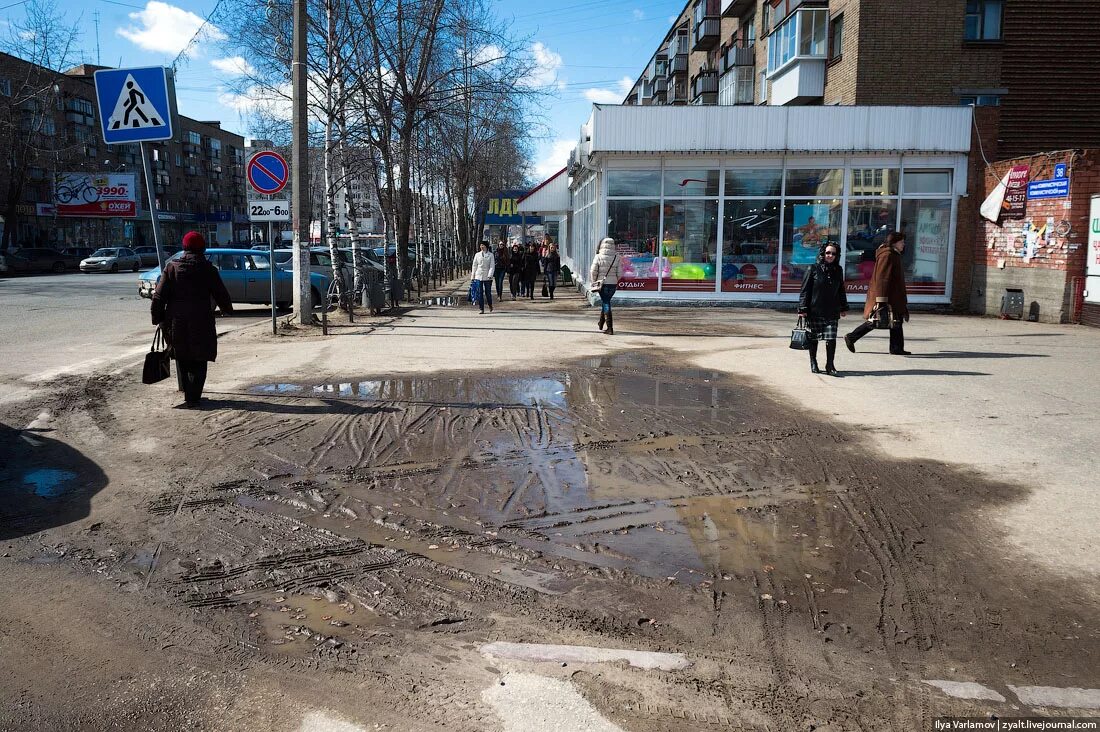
(182, 307)
(888, 281)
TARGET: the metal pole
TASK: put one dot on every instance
(271, 273)
(152, 205)
(300, 157)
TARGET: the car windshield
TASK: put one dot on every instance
(105, 253)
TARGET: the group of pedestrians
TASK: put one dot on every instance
(519, 266)
(823, 301)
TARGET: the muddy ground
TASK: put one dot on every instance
(350, 546)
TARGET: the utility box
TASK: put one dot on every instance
(1012, 303)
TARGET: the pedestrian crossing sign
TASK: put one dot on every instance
(134, 104)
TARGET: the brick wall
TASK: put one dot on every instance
(1000, 250)
(840, 74)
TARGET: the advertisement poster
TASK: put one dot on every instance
(1015, 201)
(1092, 283)
(930, 253)
(99, 195)
(811, 230)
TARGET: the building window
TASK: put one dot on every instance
(5, 87)
(983, 20)
(836, 37)
(802, 35)
(981, 100)
(766, 19)
(194, 138)
(748, 32)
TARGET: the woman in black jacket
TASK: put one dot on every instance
(823, 302)
(515, 271)
(551, 267)
(530, 270)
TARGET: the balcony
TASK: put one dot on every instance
(706, 25)
(736, 8)
(678, 93)
(736, 86)
(733, 56)
(660, 86)
(704, 88)
(678, 55)
(796, 58)
(658, 67)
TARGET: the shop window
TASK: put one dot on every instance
(633, 183)
(983, 20)
(875, 181)
(635, 227)
(754, 182)
(927, 181)
(688, 246)
(749, 260)
(869, 223)
(927, 227)
(807, 226)
(691, 182)
(815, 182)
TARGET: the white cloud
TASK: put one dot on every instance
(274, 102)
(553, 159)
(639, 14)
(164, 28)
(487, 55)
(234, 66)
(547, 64)
(610, 96)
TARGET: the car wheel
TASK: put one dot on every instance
(314, 298)
(114, 267)
(58, 267)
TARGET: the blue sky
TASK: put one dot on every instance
(587, 52)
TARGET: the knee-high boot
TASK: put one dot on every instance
(830, 354)
(610, 323)
(860, 330)
(813, 358)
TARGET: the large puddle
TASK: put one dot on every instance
(615, 462)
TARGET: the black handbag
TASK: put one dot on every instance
(882, 315)
(156, 361)
(545, 291)
(800, 337)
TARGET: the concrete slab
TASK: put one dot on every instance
(1052, 696)
(543, 652)
(526, 702)
(965, 690)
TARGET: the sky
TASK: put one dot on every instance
(586, 52)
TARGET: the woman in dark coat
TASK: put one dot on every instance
(887, 281)
(552, 268)
(823, 302)
(182, 307)
(530, 270)
(500, 268)
(515, 271)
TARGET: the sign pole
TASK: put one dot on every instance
(152, 205)
(271, 272)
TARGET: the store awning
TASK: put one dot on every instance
(549, 197)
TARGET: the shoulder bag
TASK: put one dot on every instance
(800, 337)
(156, 361)
(597, 284)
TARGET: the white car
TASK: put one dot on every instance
(111, 259)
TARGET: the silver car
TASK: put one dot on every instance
(111, 259)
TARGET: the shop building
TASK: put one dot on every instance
(733, 203)
(198, 175)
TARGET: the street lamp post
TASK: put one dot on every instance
(300, 158)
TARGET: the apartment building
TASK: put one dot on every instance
(1030, 61)
(198, 176)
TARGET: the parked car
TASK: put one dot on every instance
(148, 255)
(111, 259)
(246, 274)
(320, 261)
(76, 255)
(33, 259)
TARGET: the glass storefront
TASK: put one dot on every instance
(754, 230)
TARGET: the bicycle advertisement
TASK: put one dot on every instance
(101, 195)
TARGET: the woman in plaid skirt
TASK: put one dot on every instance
(823, 302)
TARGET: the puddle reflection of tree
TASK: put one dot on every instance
(25, 510)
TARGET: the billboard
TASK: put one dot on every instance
(502, 210)
(99, 195)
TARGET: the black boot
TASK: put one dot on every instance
(813, 358)
(552, 293)
(610, 324)
(861, 330)
(603, 319)
(830, 354)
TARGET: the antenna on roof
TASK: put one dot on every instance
(95, 19)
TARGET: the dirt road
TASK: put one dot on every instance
(348, 547)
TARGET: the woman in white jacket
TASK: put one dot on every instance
(604, 278)
(482, 272)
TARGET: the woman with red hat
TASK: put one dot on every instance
(181, 306)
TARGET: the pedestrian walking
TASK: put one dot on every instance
(530, 270)
(823, 302)
(182, 307)
(500, 268)
(888, 283)
(515, 271)
(604, 278)
(551, 268)
(482, 273)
